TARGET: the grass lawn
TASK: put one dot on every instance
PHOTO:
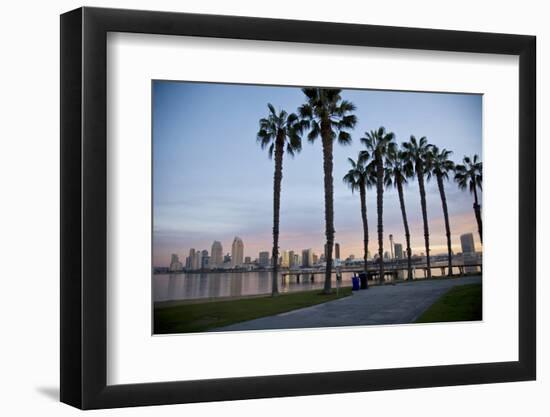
(461, 303)
(199, 317)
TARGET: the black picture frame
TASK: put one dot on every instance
(84, 207)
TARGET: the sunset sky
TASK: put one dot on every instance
(212, 181)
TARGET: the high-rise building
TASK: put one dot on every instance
(247, 260)
(197, 261)
(468, 251)
(285, 262)
(263, 259)
(297, 259)
(386, 255)
(336, 251)
(467, 243)
(398, 247)
(175, 264)
(216, 255)
(307, 258)
(237, 252)
(205, 259)
(190, 262)
(314, 259)
(291, 259)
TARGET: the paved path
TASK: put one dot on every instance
(387, 304)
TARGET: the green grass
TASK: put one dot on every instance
(199, 317)
(461, 303)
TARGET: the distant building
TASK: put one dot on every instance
(205, 259)
(467, 243)
(285, 259)
(197, 262)
(227, 260)
(386, 255)
(190, 262)
(247, 260)
(175, 264)
(307, 258)
(291, 259)
(216, 255)
(237, 252)
(398, 247)
(314, 259)
(263, 259)
(468, 251)
(336, 251)
(297, 259)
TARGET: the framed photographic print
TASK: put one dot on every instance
(257, 208)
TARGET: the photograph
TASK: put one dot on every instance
(290, 207)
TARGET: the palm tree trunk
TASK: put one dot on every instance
(441, 187)
(363, 198)
(420, 176)
(477, 211)
(329, 204)
(277, 179)
(406, 226)
(380, 210)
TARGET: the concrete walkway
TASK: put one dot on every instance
(387, 304)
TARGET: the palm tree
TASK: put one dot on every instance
(279, 131)
(416, 154)
(470, 175)
(329, 117)
(358, 178)
(378, 143)
(397, 172)
(439, 166)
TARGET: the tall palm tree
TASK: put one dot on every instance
(378, 143)
(279, 131)
(358, 178)
(439, 166)
(397, 172)
(416, 153)
(329, 117)
(470, 174)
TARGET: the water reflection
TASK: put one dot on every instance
(188, 286)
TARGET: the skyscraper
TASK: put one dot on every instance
(398, 247)
(175, 264)
(291, 259)
(263, 259)
(197, 260)
(307, 258)
(467, 243)
(468, 251)
(285, 263)
(237, 252)
(216, 255)
(205, 259)
(190, 263)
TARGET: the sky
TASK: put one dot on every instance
(212, 181)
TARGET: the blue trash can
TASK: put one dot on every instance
(355, 283)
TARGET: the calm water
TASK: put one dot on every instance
(231, 284)
(186, 286)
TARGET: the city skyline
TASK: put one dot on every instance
(286, 256)
(195, 130)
